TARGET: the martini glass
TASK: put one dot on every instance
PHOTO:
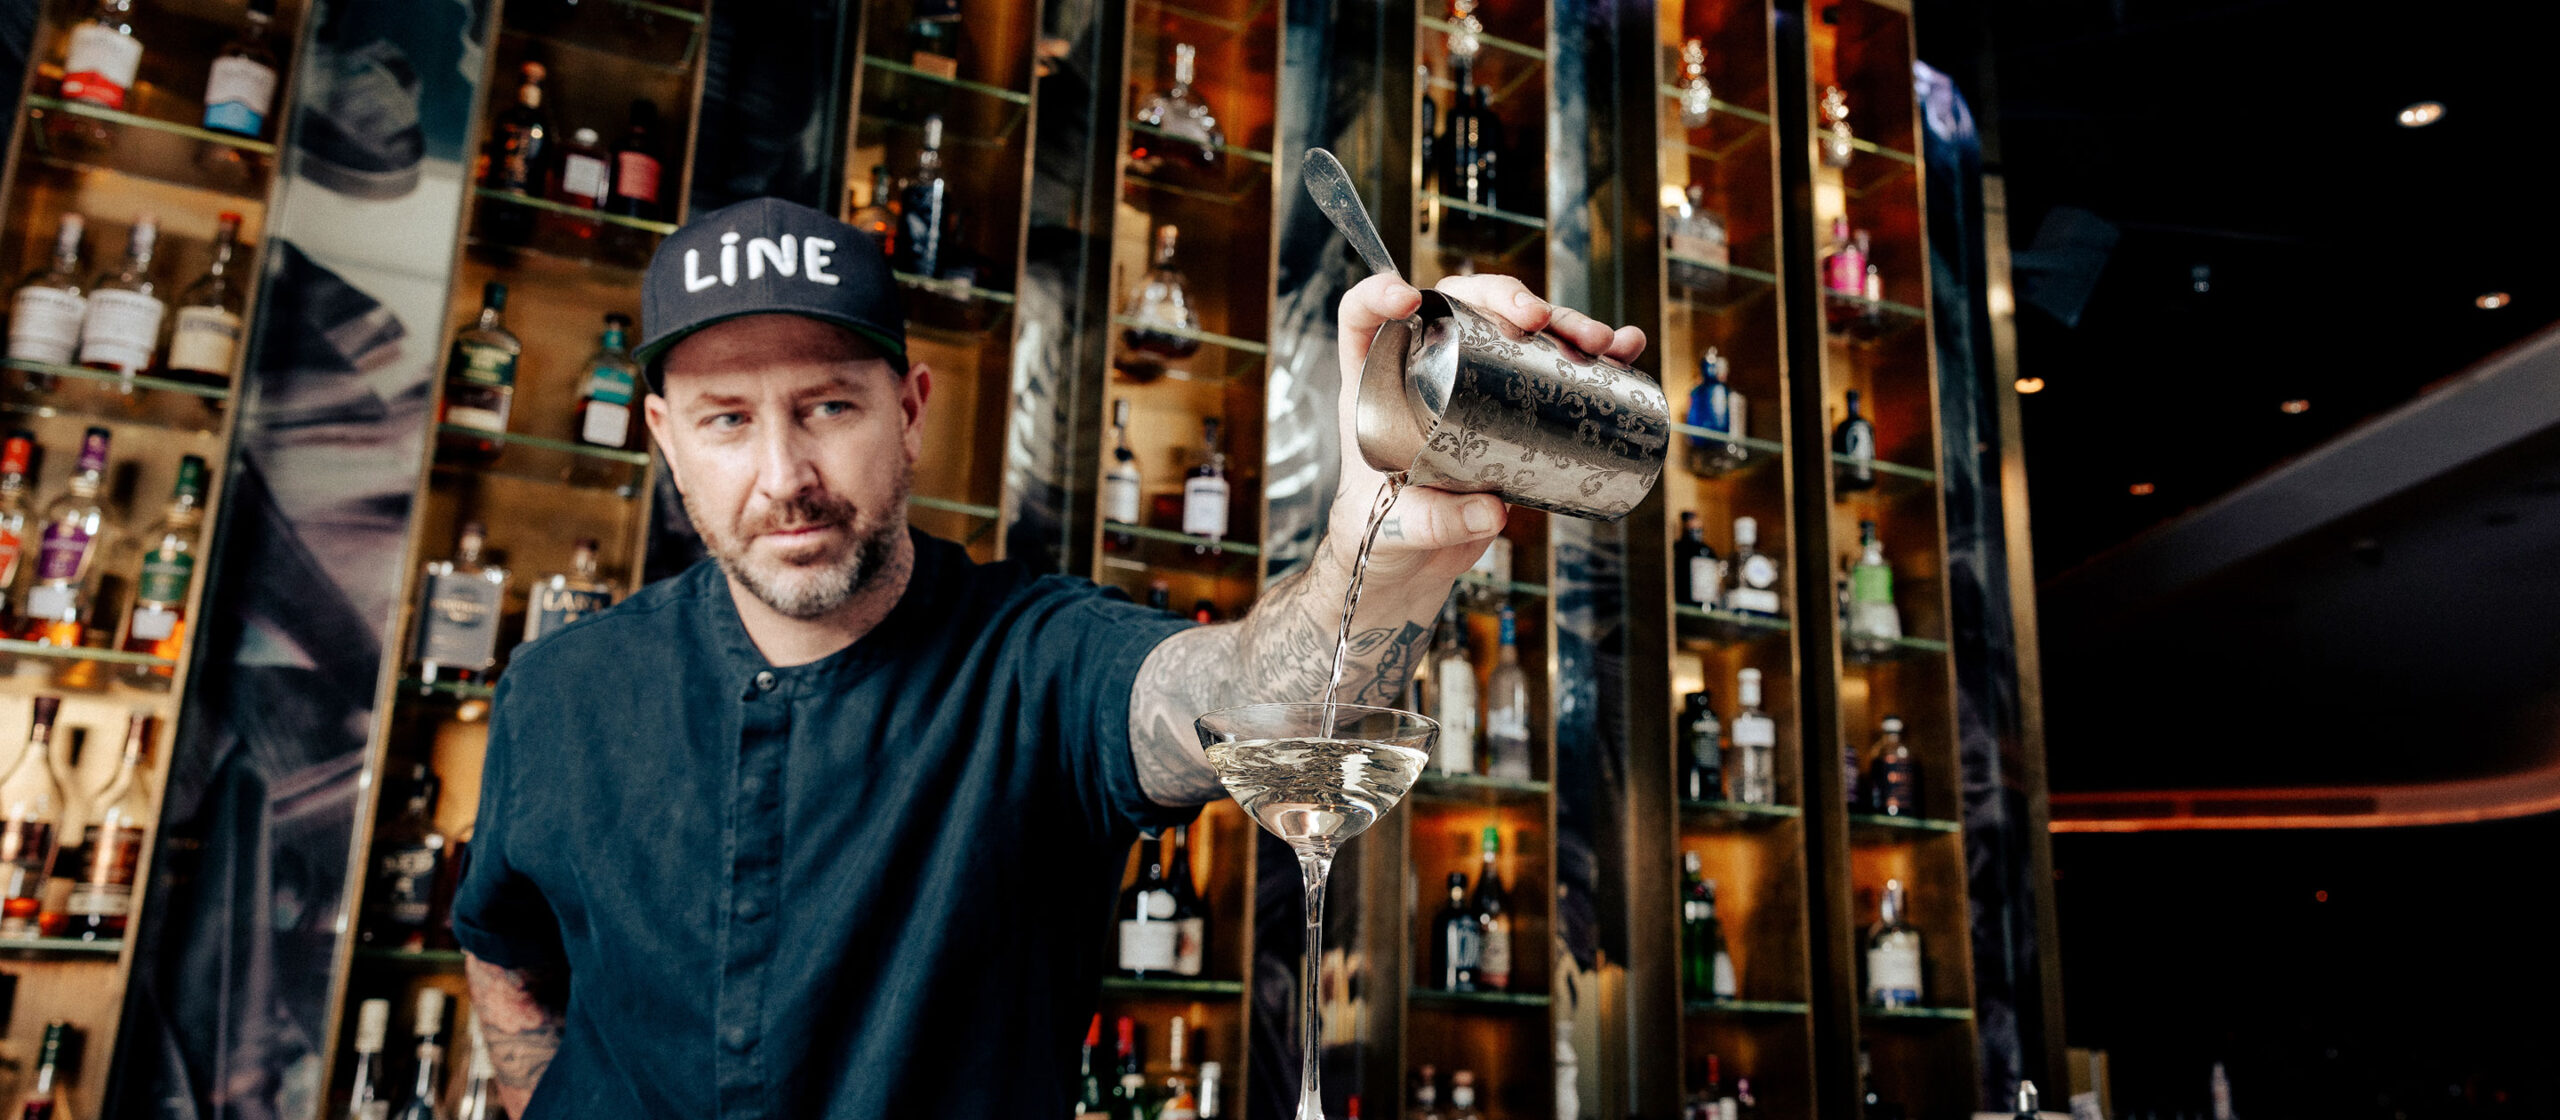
(1316, 775)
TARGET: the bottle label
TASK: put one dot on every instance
(123, 330)
(1755, 731)
(204, 340)
(63, 554)
(1726, 986)
(1893, 972)
(635, 177)
(1190, 944)
(1204, 507)
(407, 880)
(105, 888)
(1871, 584)
(584, 179)
(460, 627)
(99, 66)
(1148, 946)
(238, 95)
(607, 424)
(1494, 958)
(165, 575)
(373, 1110)
(1457, 716)
(1755, 588)
(55, 602)
(1120, 498)
(44, 325)
(1861, 443)
(482, 364)
(12, 547)
(555, 607)
(1706, 573)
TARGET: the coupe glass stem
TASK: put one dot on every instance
(1310, 1103)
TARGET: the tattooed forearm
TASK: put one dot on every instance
(519, 1013)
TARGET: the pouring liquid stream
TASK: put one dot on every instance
(1351, 596)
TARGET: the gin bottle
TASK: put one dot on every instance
(157, 622)
(1720, 412)
(206, 340)
(1506, 708)
(1204, 494)
(1451, 678)
(612, 388)
(1706, 961)
(926, 223)
(366, 1099)
(480, 381)
(1699, 572)
(1853, 451)
(1754, 574)
(1702, 763)
(1893, 776)
(1755, 738)
(241, 90)
(1874, 625)
(46, 313)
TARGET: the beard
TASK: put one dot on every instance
(818, 579)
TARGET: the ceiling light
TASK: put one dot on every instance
(2141, 489)
(2031, 384)
(2491, 301)
(2422, 114)
(2295, 407)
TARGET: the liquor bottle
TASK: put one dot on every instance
(1492, 907)
(1506, 708)
(1481, 180)
(2218, 1092)
(1426, 1093)
(1755, 737)
(1457, 941)
(1490, 578)
(368, 1099)
(458, 602)
(122, 332)
(31, 803)
(1893, 776)
(157, 622)
(561, 598)
(1190, 911)
(17, 460)
(1177, 1101)
(1203, 611)
(1091, 1102)
(926, 224)
(1853, 451)
(1716, 408)
(1893, 953)
(933, 37)
(480, 380)
(408, 855)
(57, 604)
(1150, 940)
(1838, 143)
(1204, 494)
(112, 844)
(1452, 695)
(1160, 595)
(1873, 623)
(1698, 569)
(1706, 961)
(1874, 1106)
(241, 91)
(1697, 99)
(1159, 306)
(50, 304)
(519, 147)
(636, 169)
(1462, 1096)
(1179, 122)
(613, 385)
(1121, 484)
(1212, 1082)
(425, 1095)
(1427, 143)
(1844, 267)
(874, 217)
(99, 63)
(1702, 764)
(205, 340)
(479, 1096)
(44, 1100)
(1754, 573)
(582, 177)
(1129, 1091)
(2030, 1107)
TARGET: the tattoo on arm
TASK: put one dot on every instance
(520, 1018)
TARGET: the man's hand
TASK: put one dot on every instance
(1433, 535)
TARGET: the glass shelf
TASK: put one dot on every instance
(1152, 546)
(1718, 627)
(579, 212)
(154, 124)
(1473, 789)
(1496, 42)
(1737, 813)
(1216, 190)
(509, 255)
(629, 34)
(1894, 481)
(1498, 240)
(1730, 128)
(11, 647)
(1718, 106)
(1896, 315)
(555, 462)
(1523, 220)
(1878, 826)
(1916, 1014)
(1714, 285)
(1752, 1007)
(946, 505)
(427, 960)
(1476, 1001)
(956, 290)
(1011, 97)
(1186, 986)
(1207, 338)
(119, 381)
(978, 133)
(1864, 651)
(60, 948)
(454, 690)
(1254, 155)
(1770, 448)
(1529, 590)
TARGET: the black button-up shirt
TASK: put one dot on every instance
(873, 885)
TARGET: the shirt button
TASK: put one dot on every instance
(751, 784)
(764, 681)
(734, 1038)
(750, 909)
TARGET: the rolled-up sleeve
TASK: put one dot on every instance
(499, 913)
(1087, 646)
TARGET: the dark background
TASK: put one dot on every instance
(2141, 141)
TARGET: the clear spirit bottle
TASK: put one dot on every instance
(1893, 953)
(205, 342)
(1451, 699)
(1462, 1096)
(1893, 776)
(240, 92)
(366, 1100)
(1702, 763)
(157, 622)
(408, 856)
(926, 223)
(1754, 574)
(612, 389)
(458, 606)
(1204, 494)
(1121, 484)
(50, 304)
(1506, 708)
(102, 896)
(426, 1095)
(1695, 565)
(31, 803)
(480, 381)
(1178, 122)
(122, 332)
(1874, 626)
(1755, 738)
(1697, 100)
(1159, 308)
(1212, 1082)
(1722, 414)
(57, 604)
(1492, 906)
(17, 460)
(561, 598)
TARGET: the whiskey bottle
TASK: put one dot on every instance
(926, 224)
(582, 177)
(157, 622)
(1893, 775)
(1190, 911)
(1177, 1103)
(1121, 484)
(1755, 738)
(1150, 940)
(1462, 1096)
(613, 385)
(458, 606)
(1178, 122)
(241, 91)
(102, 896)
(1506, 708)
(102, 56)
(1492, 908)
(517, 154)
(1706, 962)
(1874, 625)
(45, 1096)
(17, 458)
(1754, 574)
(1457, 941)
(1159, 308)
(408, 855)
(57, 604)
(1702, 764)
(564, 597)
(933, 37)
(1452, 699)
(50, 304)
(367, 1099)
(426, 1094)
(31, 803)
(480, 381)
(1893, 953)
(1853, 451)
(1204, 494)
(1723, 414)
(1695, 565)
(122, 332)
(636, 167)
(205, 342)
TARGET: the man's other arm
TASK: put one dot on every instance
(520, 1012)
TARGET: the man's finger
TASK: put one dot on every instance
(1587, 334)
(1370, 304)
(1505, 296)
(1627, 345)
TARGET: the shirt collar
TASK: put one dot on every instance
(718, 611)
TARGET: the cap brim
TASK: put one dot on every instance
(649, 354)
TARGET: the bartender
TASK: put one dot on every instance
(832, 823)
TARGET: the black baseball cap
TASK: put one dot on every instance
(765, 256)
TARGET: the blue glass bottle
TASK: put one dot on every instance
(1716, 410)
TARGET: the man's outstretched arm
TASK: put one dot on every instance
(1282, 650)
(520, 1013)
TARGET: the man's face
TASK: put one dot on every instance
(793, 444)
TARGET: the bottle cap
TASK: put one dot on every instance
(430, 1011)
(373, 1020)
(1893, 725)
(93, 451)
(19, 453)
(1093, 1034)
(586, 136)
(1688, 520)
(1463, 1077)
(534, 72)
(1691, 862)
(1746, 531)
(46, 709)
(493, 296)
(1492, 838)
(1458, 880)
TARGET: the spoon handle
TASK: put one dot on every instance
(1331, 187)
